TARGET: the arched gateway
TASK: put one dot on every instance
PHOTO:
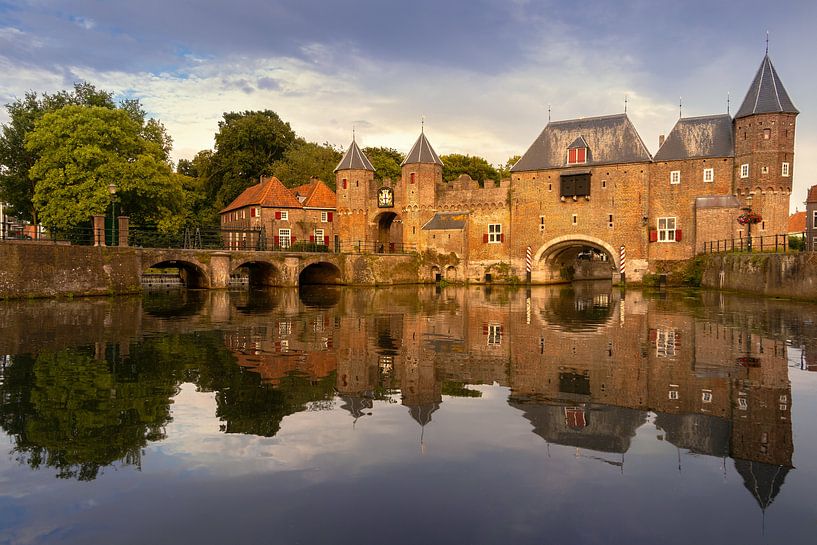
(575, 257)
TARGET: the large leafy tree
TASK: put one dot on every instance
(305, 160)
(80, 150)
(478, 168)
(16, 187)
(247, 144)
(386, 162)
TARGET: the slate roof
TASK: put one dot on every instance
(315, 194)
(797, 222)
(270, 192)
(717, 201)
(446, 220)
(422, 152)
(695, 137)
(610, 139)
(812, 194)
(354, 159)
(766, 94)
(579, 142)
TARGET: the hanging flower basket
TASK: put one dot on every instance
(749, 218)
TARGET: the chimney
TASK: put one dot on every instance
(660, 140)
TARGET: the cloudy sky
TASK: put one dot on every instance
(482, 72)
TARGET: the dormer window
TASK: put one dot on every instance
(577, 152)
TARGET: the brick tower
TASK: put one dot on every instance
(354, 179)
(764, 150)
(422, 170)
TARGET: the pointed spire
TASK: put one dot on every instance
(354, 159)
(422, 152)
(766, 94)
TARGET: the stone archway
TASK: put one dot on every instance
(191, 275)
(259, 273)
(388, 232)
(575, 257)
(319, 273)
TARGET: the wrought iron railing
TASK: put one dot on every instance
(762, 243)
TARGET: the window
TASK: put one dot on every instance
(743, 403)
(665, 343)
(324, 217)
(252, 212)
(764, 170)
(495, 233)
(541, 224)
(709, 175)
(284, 238)
(411, 177)
(675, 177)
(319, 236)
(610, 220)
(284, 215)
(706, 396)
(575, 185)
(576, 156)
(575, 219)
(744, 170)
(494, 334)
(814, 220)
(345, 183)
(785, 171)
(666, 229)
(604, 184)
(673, 394)
(767, 134)
(550, 187)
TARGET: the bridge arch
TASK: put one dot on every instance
(259, 272)
(577, 256)
(320, 272)
(193, 275)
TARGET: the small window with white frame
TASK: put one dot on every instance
(319, 236)
(324, 216)
(675, 177)
(706, 396)
(709, 175)
(494, 334)
(284, 238)
(495, 233)
(785, 170)
(743, 403)
(666, 229)
(284, 215)
(673, 395)
(744, 170)
(814, 220)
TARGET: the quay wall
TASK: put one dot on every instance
(774, 275)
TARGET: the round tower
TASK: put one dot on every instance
(764, 149)
(422, 170)
(354, 178)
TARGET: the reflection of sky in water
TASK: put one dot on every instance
(478, 472)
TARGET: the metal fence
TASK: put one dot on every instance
(763, 243)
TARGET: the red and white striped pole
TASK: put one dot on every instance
(528, 263)
(622, 261)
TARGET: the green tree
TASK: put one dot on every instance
(16, 187)
(80, 150)
(247, 144)
(478, 168)
(505, 170)
(386, 162)
(307, 159)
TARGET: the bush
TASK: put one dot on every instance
(797, 242)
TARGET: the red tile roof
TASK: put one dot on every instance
(797, 222)
(270, 193)
(812, 194)
(316, 194)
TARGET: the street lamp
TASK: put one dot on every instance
(112, 191)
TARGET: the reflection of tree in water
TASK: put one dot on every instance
(71, 412)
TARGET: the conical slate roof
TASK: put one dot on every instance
(766, 94)
(354, 159)
(422, 152)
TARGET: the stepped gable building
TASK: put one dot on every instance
(585, 191)
(268, 215)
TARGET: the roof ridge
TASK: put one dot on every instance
(591, 118)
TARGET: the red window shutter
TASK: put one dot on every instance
(571, 156)
(581, 155)
(502, 237)
(329, 216)
(485, 238)
(653, 235)
(485, 329)
(252, 212)
(292, 240)
(677, 339)
(312, 238)
(678, 235)
(653, 335)
(277, 214)
(277, 239)
(326, 240)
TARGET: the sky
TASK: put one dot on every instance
(482, 73)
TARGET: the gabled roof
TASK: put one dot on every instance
(766, 94)
(612, 139)
(354, 159)
(446, 220)
(797, 222)
(693, 137)
(422, 152)
(580, 142)
(812, 194)
(270, 192)
(315, 194)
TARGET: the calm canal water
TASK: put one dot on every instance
(409, 415)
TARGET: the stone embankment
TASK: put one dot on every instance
(774, 275)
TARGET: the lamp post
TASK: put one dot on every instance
(112, 191)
